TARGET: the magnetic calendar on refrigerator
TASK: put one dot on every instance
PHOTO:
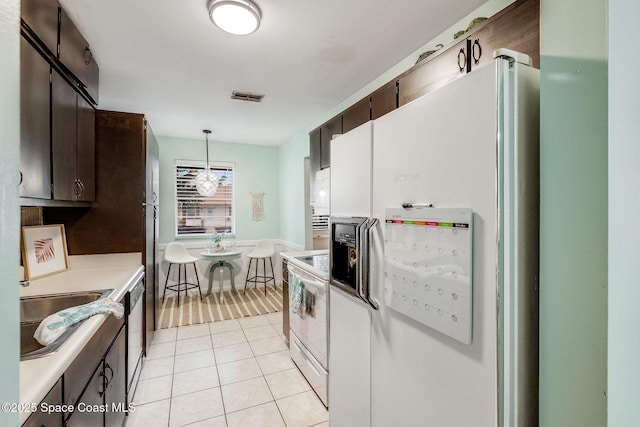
(428, 273)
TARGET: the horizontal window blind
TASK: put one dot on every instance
(199, 215)
(320, 222)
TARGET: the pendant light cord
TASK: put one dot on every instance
(206, 136)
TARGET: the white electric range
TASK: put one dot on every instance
(309, 316)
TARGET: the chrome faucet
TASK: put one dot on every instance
(24, 283)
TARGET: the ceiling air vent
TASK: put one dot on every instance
(246, 96)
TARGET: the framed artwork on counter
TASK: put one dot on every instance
(44, 250)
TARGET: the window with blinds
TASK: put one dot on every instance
(198, 215)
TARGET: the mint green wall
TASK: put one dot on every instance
(624, 226)
(256, 170)
(573, 217)
(292, 181)
(9, 210)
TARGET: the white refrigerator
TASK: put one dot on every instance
(469, 148)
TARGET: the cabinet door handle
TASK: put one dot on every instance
(106, 366)
(462, 60)
(103, 383)
(107, 379)
(478, 55)
(20, 182)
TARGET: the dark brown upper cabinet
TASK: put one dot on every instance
(314, 151)
(35, 138)
(72, 143)
(77, 57)
(441, 68)
(41, 18)
(357, 114)
(384, 100)
(516, 27)
(58, 89)
(327, 130)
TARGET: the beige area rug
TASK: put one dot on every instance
(193, 311)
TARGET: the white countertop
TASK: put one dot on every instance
(87, 272)
(291, 258)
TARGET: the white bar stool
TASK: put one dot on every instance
(262, 251)
(176, 253)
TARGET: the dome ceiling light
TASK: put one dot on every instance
(238, 17)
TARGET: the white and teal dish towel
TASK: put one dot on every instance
(56, 324)
(297, 297)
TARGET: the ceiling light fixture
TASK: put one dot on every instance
(235, 16)
(206, 180)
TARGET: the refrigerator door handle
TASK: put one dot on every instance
(360, 257)
(365, 240)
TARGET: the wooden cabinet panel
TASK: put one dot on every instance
(72, 142)
(357, 114)
(86, 146)
(63, 138)
(327, 130)
(44, 419)
(81, 369)
(115, 382)
(436, 71)
(384, 100)
(35, 149)
(92, 75)
(76, 55)
(93, 397)
(115, 222)
(516, 27)
(72, 46)
(41, 17)
(314, 151)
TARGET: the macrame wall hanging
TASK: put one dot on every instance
(257, 206)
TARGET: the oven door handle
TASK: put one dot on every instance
(363, 262)
(308, 279)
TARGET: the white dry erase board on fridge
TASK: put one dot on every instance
(428, 267)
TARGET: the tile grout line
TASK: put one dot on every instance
(173, 373)
(215, 363)
(269, 322)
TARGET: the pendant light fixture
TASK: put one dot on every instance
(206, 180)
(238, 17)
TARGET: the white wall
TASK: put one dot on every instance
(624, 223)
(9, 211)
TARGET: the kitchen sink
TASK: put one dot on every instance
(34, 310)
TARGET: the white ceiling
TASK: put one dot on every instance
(165, 58)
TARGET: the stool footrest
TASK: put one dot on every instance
(182, 286)
(261, 279)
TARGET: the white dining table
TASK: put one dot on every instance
(220, 260)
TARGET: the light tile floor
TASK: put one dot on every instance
(234, 373)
